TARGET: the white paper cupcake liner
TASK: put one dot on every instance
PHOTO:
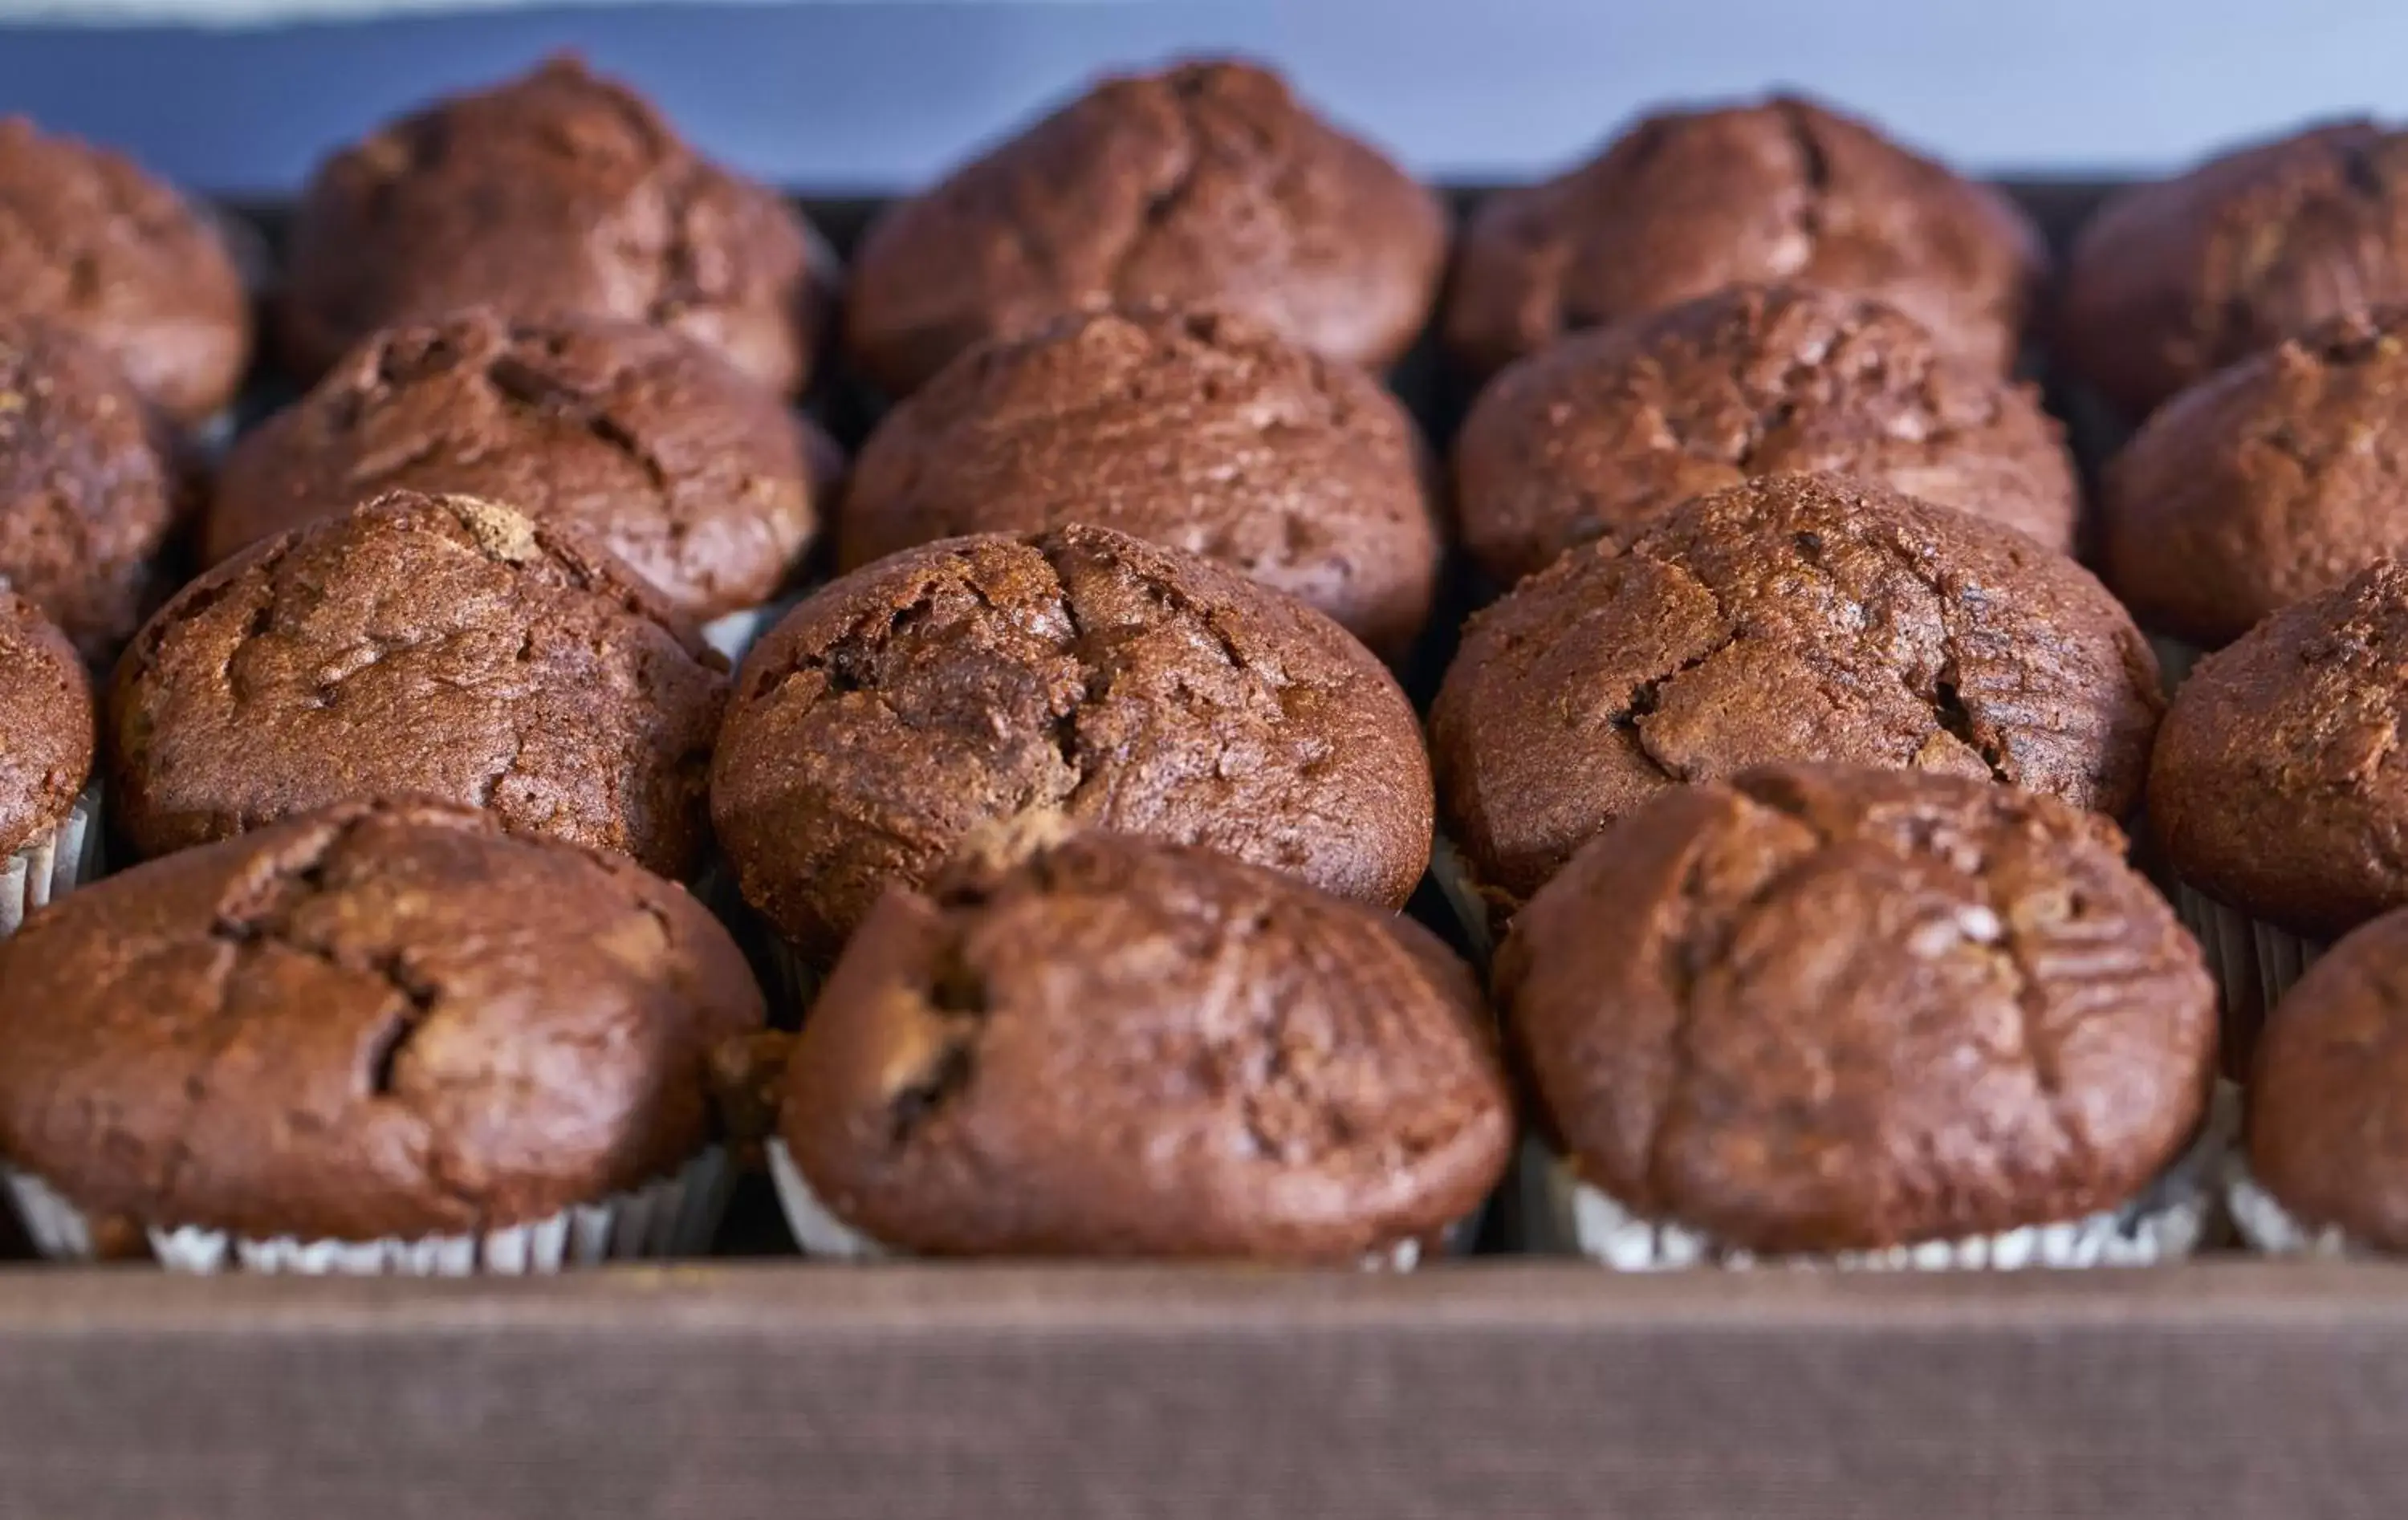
(2269, 1229)
(2168, 1220)
(2253, 963)
(1463, 899)
(2174, 660)
(677, 1215)
(735, 634)
(826, 1238)
(51, 865)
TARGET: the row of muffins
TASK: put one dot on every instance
(862, 657)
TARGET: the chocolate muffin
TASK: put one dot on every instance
(90, 487)
(1206, 184)
(92, 244)
(45, 755)
(558, 191)
(2275, 792)
(2170, 282)
(1205, 431)
(1686, 202)
(1820, 1009)
(1098, 1045)
(436, 645)
(2326, 1167)
(702, 481)
(2272, 481)
(1129, 686)
(1599, 434)
(382, 1025)
(1790, 618)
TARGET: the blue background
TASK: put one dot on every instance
(865, 95)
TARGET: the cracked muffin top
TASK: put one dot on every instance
(2278, 785)
(1793, 618)
(2327, 1123)
(1819, 1009)
(1129, 686)
(1598, 435)
(45, 726)
(703, 482)
(89, 487)
(558, 191)
(1206, 432)
(1207, 184)
(2275, 479)
(92, 244)
(436, 646)
(1686, 202)
(1094, 1044)
(379, 1020)
(2169, 282)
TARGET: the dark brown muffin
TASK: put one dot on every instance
(1820, 1009)
(1102, 1045)
(2327, 1123)
(2278, 785)
(95, 246)
(2271, 481)
(2172, 281)
(558, 191)
(1686, 202)
(1205, 431)
(45, 724)
(1132, 687)
(701, 480)
(1207, 184)
(377, 1020)
(90, 490)
(436, 645)
(1791, 618)
(1599, 433)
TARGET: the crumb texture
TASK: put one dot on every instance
(379, 1019)
(1129, 686)
(1102, 1045)
(434, 645)
(1820, 1009)
(1209, 184)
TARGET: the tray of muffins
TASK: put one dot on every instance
(1180, 827)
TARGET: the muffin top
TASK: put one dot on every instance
(1095, 1045)
(1789, 618)
(377, 1020)
(703, 481)
(2171, 282)
(45, 724)
(1129, 686)
(1820, 1009)
(2277, 785)
(2327, 1125)
(1206, 432)
(1597, 435)
(2269, 481)
(436, 646)
(1686, 202)
(94, 245)
(557, 191)
(1206, 184)
(89, 489)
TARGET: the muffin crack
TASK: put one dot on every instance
(950, 1020)
(1814, 172)
(521, 384)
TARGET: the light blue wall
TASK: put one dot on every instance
(830, 95)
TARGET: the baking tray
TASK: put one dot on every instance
(1498, 1386)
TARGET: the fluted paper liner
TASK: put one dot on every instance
(2167, 1222)
(52, 865)
(824, 1236)
(2269, 1229)
(674, 1216)
(1463, 899)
